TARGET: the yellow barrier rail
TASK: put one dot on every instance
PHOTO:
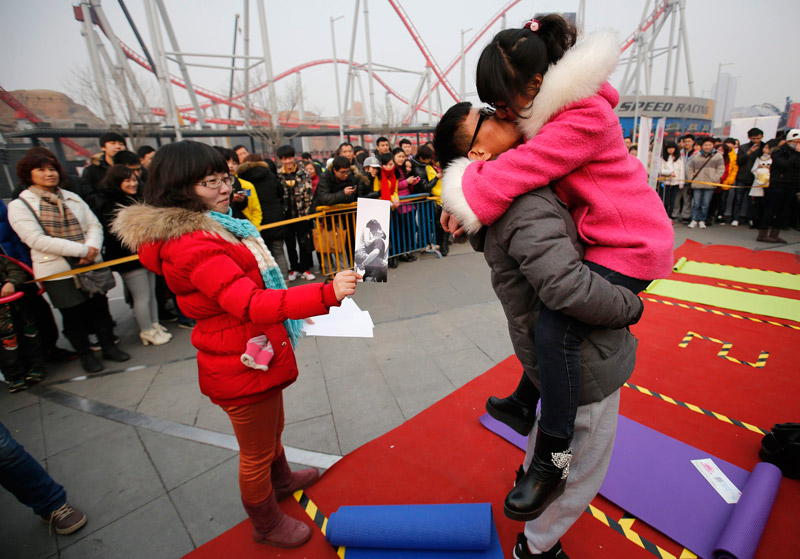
(334, 262)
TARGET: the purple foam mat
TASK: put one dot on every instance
(651, 476)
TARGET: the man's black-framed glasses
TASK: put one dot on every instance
(483, 114)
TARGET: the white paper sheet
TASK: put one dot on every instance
(345, 321)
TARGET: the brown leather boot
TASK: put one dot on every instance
(763, 236)
(285, 481)
(774, 237)
(272, 527)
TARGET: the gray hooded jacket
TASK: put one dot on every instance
(535, 259)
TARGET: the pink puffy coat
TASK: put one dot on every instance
(575, 144)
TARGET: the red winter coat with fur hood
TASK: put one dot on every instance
(217, 282)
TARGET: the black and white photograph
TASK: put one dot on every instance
(372, 239)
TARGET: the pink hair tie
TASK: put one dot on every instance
(532, 24)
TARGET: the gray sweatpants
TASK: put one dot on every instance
(595, 428)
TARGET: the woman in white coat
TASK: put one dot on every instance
(57, 224)
(671, 173)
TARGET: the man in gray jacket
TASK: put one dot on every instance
(536, 260)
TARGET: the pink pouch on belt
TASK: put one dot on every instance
(258, 353)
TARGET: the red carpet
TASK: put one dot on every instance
(443, 455)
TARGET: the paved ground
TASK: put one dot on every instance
(153, 463)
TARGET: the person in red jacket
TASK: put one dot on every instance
(247, 321)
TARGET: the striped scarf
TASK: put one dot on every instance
(270, 272)
(55, 216)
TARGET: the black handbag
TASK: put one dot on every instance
(781, 447)
(93, 281)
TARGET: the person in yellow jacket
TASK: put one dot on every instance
(732, 168)
(442, 236)
(244, 200)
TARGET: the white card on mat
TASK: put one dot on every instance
(718, 480)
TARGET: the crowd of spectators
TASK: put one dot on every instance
(706, 180)
(58, 221)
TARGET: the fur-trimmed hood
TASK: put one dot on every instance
(581, 73)
(140, 224)
(247, 165)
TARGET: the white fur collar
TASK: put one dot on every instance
(580, 73)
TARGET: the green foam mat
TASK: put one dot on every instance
(734, 273)
(754, 303)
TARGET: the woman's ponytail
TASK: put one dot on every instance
(515, 56)
(558, 35)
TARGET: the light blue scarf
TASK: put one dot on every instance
(272, 276)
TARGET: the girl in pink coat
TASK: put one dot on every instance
(564, 106)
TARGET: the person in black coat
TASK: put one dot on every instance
(784, 184)
(120, 188)
(271, 197)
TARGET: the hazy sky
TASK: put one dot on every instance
(43, 48)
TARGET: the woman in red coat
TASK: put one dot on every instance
(247, 321)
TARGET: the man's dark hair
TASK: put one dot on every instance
(305, 155)
(361, 156)
(755, 132)
(110, 137)
(238, 146)
(685, 136)
(340, 162)
(285, 151)
(424, 152)
(359, 149)
(176, 168)
(343, 144)
(126, 157)
(381, 139)
(731, 141)
(144, 150)
(450, 140)
(228, 154)
(404, 141)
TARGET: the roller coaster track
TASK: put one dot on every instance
(441, 75)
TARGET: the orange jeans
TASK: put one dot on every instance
(258, 429)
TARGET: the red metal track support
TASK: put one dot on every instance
(467, 47)
(424, 49)
(651, 19)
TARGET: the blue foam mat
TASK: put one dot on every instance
(430, 527)
(494, 551)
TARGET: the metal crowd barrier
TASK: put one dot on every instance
(413, 228)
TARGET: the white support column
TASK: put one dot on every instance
(336, 79)
(349, 83)
(122, 62)
(686, 48)
(430, 97)
(173, 39)
(273, 95)
(301, 109)
(372, 117)
(672, 17)
(94, 59)
(117, 76)
(170, 108)
(247, 113)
